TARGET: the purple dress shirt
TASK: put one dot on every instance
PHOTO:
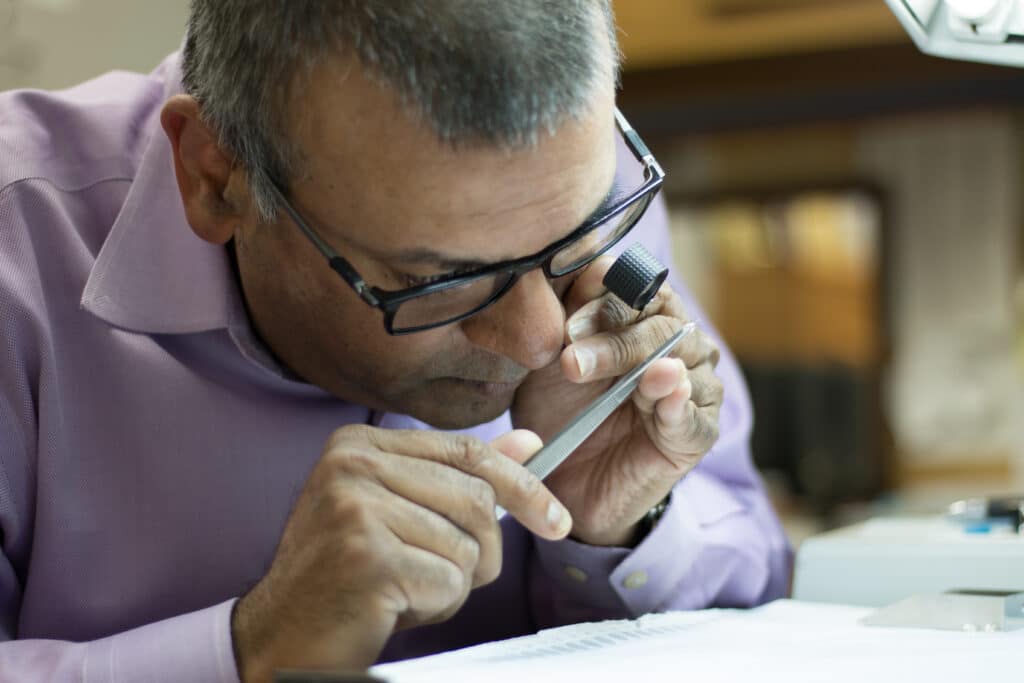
(150, 448)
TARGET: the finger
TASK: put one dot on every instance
(516, 489)
(700, 428)
(662, 379)
(699, 350)
(431, 587)
(439, 500)
(519, 444)
(585, 322)
(616, 352)
(707, 387)
(672, 410)
(477, 555)
(610, 354)
(684, 428)
(612, 312)
(606, 313)
(588, 286)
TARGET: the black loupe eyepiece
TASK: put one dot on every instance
(635, 276)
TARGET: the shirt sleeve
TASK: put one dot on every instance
(190, 647)
(719, 543)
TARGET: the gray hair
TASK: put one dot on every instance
(477, 71)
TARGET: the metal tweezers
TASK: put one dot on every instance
(583, 425)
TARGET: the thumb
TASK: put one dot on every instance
(519, 444)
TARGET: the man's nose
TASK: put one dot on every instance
(526, 325)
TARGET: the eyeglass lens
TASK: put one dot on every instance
(456, 302)
(592, 244)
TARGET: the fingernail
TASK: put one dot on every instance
(582, 327)
(584, 360)
(558, 518)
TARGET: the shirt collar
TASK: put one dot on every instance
(153, 274)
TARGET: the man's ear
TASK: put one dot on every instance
(203, 169)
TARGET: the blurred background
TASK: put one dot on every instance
(848, 211)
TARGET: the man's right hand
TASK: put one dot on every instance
(392, 530)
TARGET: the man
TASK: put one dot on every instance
(216, 458)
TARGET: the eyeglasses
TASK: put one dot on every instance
(454, 297)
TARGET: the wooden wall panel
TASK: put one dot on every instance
(656, 33)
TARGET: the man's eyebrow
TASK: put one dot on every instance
(608, 202)
(425, 256)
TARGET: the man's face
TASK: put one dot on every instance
(401, 206)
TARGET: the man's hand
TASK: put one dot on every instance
(392, 530)
(635, 458)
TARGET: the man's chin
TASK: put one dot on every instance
(452, 403)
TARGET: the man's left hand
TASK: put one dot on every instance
(635, 458)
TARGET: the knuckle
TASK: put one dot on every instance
(468, 550)
(462, 550)
(694, 427)
(696, 345)
(355, 461)
(703, 430)
(468, 452)
(664, 327)
(351, 511)
(614, 312)
(707, 348)
(453, 582)
(714, 353)
(367, 556)
(489, 567)
(624, 348)
(347, 434)
(632, 346)
(528, 487)
(361, 550)
(482, 499)
(716, 392)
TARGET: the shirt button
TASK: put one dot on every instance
(575, 573)
(637, 579)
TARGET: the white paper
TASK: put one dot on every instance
(783, 642)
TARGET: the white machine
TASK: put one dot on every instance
(888, 559)
(974, 30)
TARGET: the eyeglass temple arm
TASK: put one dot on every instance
(346, 271)
(634, 141)
(336, 261)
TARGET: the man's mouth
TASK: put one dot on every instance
(489, 387)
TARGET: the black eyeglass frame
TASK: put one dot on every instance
(388, 301)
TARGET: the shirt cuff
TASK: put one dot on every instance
(638, 580)
(191, 647)
(658, 570)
